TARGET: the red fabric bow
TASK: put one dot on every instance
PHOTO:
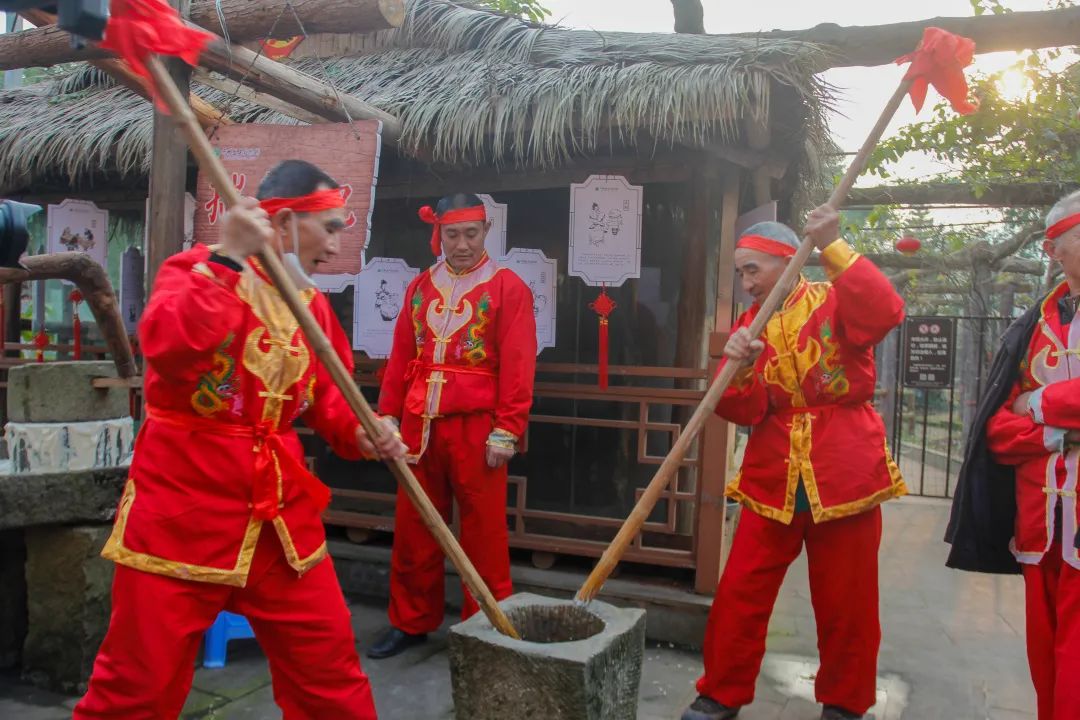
(138, 28)
(477, 213)
(940, 60)
(312, 202)
(765, 245)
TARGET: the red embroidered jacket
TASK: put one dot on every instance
(227, 374)
(1034, 442)
(808, 397)
(464, 343)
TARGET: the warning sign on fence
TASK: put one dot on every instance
(929, 352)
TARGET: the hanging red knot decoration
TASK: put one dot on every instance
(603, 305)
(908, 245)
(40, 341)
(76, 324)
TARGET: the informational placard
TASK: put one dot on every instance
(189, 222)
(539, 273)
(78, 226)
(605, 230)
(132, 288)
(378, 299)
(495, 242)
(349, 153)
(929, 352)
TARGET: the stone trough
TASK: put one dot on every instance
(572, 663)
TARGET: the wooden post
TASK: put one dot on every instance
(758, 137)
(690, 333)
(168, 177)
(718, 435)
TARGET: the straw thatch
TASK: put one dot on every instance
(472, 88)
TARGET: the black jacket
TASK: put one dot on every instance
(984, 506)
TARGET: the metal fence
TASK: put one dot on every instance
(927, 428)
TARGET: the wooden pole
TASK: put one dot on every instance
(168, 176)
(632, 526)
(219, 178)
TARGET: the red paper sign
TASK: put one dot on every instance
(348, 153)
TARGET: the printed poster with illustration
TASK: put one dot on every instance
(349, 153)
(605, 230)
(539, 273)
(378, 298)
(78, 226)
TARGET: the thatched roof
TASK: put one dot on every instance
(470, 86)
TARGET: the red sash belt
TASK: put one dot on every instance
(416, 366)
(271, 457)
(790, 411)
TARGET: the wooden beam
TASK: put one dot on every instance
(168, 177)
(773, 166)
(881, 44)
(245, 20)
(896, 261)
(1023, 194)
(254, 97)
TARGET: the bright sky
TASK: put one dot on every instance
(862, 91)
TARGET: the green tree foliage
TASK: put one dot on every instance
(525, 9)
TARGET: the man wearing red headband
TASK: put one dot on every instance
(220, 511)
(1015, 504)
(814, 472)
(459, 379)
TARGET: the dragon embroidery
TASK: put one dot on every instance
(216, 387)
(473, 346)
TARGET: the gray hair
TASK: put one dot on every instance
(774, 231)
(1063, 208)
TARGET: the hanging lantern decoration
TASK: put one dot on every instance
(603, 305)
(76, 324)
(41, 340)
(908, 245)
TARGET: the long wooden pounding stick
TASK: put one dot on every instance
(634, 522)
(212, 166)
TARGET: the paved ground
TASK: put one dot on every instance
(952, 650)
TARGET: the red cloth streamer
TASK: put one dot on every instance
(40, 341)
(765, 245)
(312, 202)
(603, 305)
(76, 324)
(940, 60)
(477, 213)
(1062, 226)
(139, 28)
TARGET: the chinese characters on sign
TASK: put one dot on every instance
(929, 352)
(605, 230)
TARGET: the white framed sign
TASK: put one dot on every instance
(378, 299)
(605, 230)
(78, 226)
(495, 242)
(132, 288)
(540, 274)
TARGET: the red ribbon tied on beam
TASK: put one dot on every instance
(603, 305)
(940, 60)
(76, 324)
(139, 28)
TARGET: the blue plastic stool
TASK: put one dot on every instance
(228, 626)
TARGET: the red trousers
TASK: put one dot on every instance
(454, 466)
(1053, 634)
(145, 665)
(842, 556)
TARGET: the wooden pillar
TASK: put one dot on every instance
(690, 334)
(168, 177)
(717, 438)
(758, 137)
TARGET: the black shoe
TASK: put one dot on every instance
(705, 708)
(835, 712)
(392, 642)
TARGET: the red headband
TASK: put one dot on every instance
(312, 202)
(765, 245)
(469, 214)
(1062, 226)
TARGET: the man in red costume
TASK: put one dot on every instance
(460, 380)
(219, 511)
(815, 470)
(1015, 504)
